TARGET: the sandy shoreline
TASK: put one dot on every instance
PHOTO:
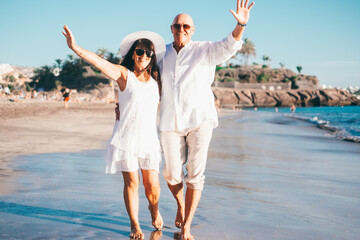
(43, 127)
(34, 126)
(268, 177)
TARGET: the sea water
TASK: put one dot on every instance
(340, 122)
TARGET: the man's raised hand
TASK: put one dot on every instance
(242, 13)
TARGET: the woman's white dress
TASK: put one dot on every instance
(134, 143)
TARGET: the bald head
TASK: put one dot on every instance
(182, 29)
(184, 19)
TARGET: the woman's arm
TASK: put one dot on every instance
(113, 71)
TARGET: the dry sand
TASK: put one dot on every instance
(34, 126)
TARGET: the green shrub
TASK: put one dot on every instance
(28, 88)
(264, 78)
(229, 80)
(58, 83)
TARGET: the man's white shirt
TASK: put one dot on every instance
(187, 99)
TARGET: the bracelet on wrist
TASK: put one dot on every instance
(243, 25)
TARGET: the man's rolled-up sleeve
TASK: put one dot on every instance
(221, 51)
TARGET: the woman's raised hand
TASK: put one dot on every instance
(70, 39)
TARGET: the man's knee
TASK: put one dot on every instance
(198, 185)
(172, 176)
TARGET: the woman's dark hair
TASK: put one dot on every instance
(152, 68)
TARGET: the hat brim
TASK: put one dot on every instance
(155, 38)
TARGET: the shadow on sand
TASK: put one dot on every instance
(64, 216)
(78, 218)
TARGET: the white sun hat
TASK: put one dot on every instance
(155, 38)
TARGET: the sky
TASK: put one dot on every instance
(322, 36)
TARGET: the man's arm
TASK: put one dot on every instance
(221, 51)
(241, 15)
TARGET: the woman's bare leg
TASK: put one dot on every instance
(131, 198)
(152, 192)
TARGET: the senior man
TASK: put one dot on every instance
(187, 109)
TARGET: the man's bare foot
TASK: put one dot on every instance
(179, 217)
(136, 233)
(156, 218)
(185, 233)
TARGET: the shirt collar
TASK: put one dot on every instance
(186, 45)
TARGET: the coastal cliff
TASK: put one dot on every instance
(260, 75)
(283, 98)
(257, 86)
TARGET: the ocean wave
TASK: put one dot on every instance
(335, 131)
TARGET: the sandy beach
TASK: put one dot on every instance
(268, 177)
(35, 126)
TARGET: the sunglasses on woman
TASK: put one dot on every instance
(178, 26)
(141, 52)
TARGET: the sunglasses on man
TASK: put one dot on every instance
(178, 26)
(141, 52)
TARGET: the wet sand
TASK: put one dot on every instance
(267, 177)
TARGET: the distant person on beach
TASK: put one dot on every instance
(7, 91)
(66, 96)
(34, 94)
(134, 143)
(292, 108)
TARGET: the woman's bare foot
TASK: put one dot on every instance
(179, 217)
(136, 232)
(156, 218)
(185, 233)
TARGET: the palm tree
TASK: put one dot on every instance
(282, 65)
(266, 59)
(299, 68)
(247, 50)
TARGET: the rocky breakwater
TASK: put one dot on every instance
(283, 98)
